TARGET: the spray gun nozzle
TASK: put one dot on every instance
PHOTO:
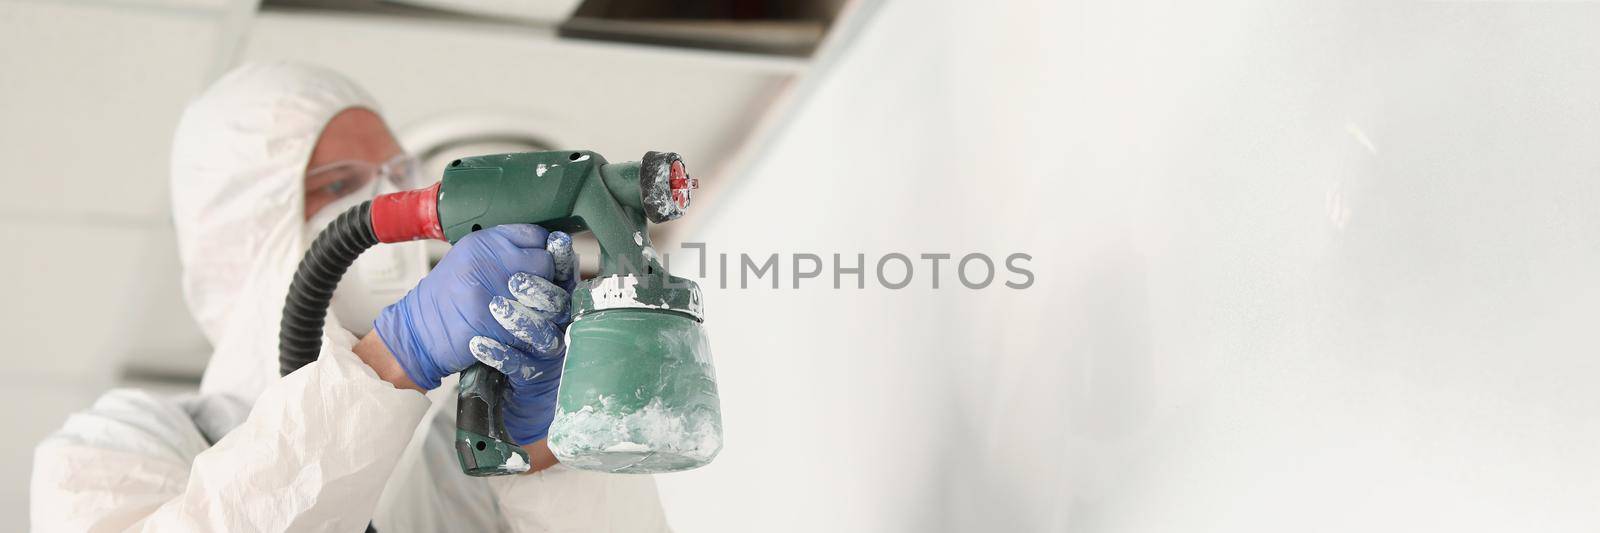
(665, 186)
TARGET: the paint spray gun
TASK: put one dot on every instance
(638, 393)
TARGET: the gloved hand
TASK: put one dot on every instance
(429, 331)
(537, 316)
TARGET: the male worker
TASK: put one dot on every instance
(261, 162)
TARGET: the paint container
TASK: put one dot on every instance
(638, 391)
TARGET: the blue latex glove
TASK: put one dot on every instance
(430, 329)
(537, 315)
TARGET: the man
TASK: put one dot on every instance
(261, 161)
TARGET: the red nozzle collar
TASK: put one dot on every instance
(407, 215)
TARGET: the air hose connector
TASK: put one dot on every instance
(305, 309)
(395, 217)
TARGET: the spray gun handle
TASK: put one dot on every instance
(482, 444)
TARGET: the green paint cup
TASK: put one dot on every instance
(638, 392)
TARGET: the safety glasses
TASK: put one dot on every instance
(339, 178)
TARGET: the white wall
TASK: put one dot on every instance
(89, 97)
(1301, 267)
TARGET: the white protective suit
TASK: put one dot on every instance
(327, 448)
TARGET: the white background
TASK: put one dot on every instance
(1301, 267)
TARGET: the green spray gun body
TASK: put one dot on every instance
(638, 393)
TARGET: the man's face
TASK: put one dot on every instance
(354, 134)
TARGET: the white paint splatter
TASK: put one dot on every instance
(515, 463)
(653, 438)
(537, 293)
(620, 292)
(525, 324)
(560, 246)
(628, 447)
(484, 349)
(696, 308)
(539, 170)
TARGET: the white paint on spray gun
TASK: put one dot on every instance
(516, 464)
(620, 292)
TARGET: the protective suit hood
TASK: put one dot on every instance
(238, 186)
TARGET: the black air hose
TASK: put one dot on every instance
(305, 309)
